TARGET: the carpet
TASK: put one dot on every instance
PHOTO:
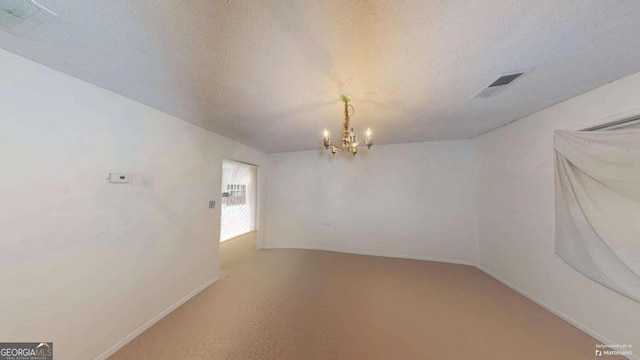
(306, 304)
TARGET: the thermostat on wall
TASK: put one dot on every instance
(119, 178)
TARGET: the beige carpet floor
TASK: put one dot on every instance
(304, 304)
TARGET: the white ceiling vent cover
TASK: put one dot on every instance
(500, 83)
(20, 16)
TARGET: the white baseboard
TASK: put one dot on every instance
(154, 320)
(367, 253)
(558, 313)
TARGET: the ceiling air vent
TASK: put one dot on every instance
(20, 16)
(500, 84)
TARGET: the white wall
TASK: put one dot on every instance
(84, 263)
(515, 186)
(409, 200)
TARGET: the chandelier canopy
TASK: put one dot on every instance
(349, 141)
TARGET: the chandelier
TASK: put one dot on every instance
(349, 141)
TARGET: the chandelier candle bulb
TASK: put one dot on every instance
(367, 140)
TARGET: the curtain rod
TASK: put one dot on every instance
(613, 123)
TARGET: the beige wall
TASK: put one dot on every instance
(85, 263)
(515, 186)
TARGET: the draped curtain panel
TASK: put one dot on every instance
(598, 206)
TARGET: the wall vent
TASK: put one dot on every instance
(20, 16)
(501, 83)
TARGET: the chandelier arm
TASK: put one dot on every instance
(354, 143)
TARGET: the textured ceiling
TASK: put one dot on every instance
(269, 73)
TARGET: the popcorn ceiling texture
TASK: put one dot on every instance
(269, 73)
(305, 304)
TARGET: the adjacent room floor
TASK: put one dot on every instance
(304, 304)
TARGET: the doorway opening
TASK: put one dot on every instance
(239, 199)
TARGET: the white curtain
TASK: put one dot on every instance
(598, 206)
